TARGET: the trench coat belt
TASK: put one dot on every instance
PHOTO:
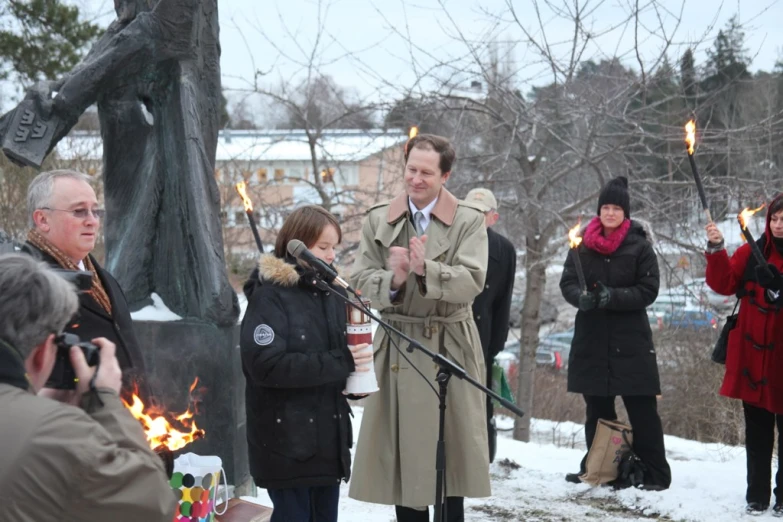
(463, 314)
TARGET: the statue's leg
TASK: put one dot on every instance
(195, 281)
(132, 185)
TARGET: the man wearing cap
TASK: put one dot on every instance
(422, 260)
(492, 306)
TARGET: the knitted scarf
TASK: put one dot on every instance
(594, 238)
(97, 291)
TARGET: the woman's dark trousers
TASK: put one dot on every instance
(647, 432)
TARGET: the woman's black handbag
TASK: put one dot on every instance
(719, 352)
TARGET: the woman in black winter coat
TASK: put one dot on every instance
(612, 352)
(296, 360)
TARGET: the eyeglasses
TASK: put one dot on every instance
(81, 213)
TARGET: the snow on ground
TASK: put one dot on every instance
(528, 484)
(242, 306)
(157, 311)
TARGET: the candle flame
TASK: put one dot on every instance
(690, 135)
(574, 240)
(746, 214)
(413, 132)
(242, 191)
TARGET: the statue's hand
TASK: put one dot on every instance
(42, 94)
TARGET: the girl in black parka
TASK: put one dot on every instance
(296, 360)
(612, 352)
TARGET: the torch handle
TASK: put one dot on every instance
(754, 247)
(699, 187)
(251, 219)
(580, 273)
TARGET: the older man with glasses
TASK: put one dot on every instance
(64, 224)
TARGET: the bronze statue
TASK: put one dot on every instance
(155, 76)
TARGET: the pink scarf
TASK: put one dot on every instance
(594, 238)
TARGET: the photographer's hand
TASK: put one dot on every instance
(108, 373)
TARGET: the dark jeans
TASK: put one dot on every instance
(647, 432)
(317, 504)
(759, 442)
(455, 512)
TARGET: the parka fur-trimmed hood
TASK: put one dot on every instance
(271, 269)
(643, 228)
(277, 271)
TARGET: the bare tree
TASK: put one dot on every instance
(311, 108)
(594, 97)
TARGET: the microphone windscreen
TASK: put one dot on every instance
(295, 248)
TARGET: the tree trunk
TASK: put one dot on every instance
(535, 272)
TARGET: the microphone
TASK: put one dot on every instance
(298, 250)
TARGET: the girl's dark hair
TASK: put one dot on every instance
(305, 224)
(776, 206)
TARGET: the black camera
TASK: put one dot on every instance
(81, 279)
(63, 376)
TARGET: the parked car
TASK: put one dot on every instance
(668, 301)
(706, 296)
(693, 319)
(553, 350)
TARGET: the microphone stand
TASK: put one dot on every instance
(446, 369)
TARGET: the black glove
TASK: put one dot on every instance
(602, 294)
(769, 277)
(587, 301)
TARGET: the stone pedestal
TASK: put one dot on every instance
(175, 354)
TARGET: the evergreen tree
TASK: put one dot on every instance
(41, 39)
(727, 61)
(688, 78)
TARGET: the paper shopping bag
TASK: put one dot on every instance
(195, 482)
(612, 440)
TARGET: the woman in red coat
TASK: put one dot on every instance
(754, 359)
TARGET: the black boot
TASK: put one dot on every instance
(755, 508)
(406, 514)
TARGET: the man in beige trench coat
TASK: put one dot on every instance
(422, 261)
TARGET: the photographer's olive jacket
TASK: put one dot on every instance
(395, 454)
(61, 463)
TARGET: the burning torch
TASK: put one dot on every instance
(743, 218)
(242, 191)
(690, 141)
(574, 241)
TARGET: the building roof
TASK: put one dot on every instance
(264, 145)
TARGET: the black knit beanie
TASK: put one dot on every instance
(615, 192)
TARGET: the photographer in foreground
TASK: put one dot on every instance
(59, 461)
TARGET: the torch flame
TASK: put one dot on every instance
(746, 214)
(690, 135)
(413, 132)
(575, 240)
(158, 430)
(242, 191)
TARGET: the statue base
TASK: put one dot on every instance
(175, 354)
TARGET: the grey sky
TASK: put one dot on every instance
(363, 43)
(372, 33)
